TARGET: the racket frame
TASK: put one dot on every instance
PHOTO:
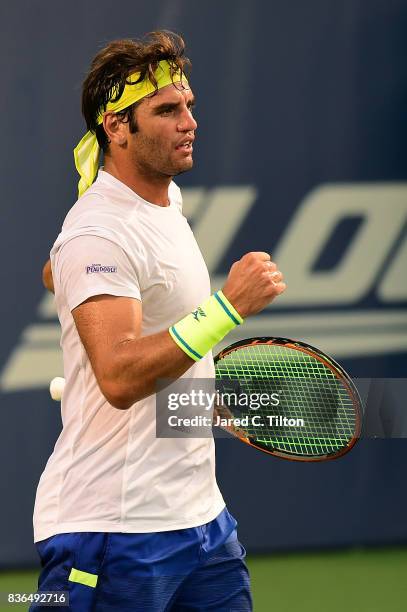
(330, 363)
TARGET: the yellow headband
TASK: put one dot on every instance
(87, 152)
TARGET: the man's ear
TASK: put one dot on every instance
(116, 130)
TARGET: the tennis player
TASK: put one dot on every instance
(124, 520)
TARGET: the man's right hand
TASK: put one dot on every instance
(253, 282)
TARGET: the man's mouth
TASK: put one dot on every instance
(186, 145)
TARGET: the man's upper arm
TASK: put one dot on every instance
(100, 286)
(104, 322)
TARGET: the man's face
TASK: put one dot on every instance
(163, 143)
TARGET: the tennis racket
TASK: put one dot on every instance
(311, 411)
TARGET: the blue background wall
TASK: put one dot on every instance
(301, 143)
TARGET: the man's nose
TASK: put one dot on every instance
(187, 123)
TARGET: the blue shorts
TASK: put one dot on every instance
(186, 570)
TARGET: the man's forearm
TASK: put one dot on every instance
(137, 364)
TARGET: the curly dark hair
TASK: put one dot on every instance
(112, 66)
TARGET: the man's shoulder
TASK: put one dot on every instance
(92, 215)
(88, 209)
(100, 206)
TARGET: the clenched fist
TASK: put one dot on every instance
(253, 282)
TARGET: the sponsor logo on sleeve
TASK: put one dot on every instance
(100, 268)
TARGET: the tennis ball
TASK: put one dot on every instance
(56, 388)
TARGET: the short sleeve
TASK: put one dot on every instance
(89, 265)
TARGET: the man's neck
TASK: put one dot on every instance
(153, 189)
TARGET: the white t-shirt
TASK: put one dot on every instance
(108, 471)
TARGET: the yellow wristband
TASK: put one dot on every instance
(200, 330)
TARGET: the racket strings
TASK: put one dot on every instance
(307, 389)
